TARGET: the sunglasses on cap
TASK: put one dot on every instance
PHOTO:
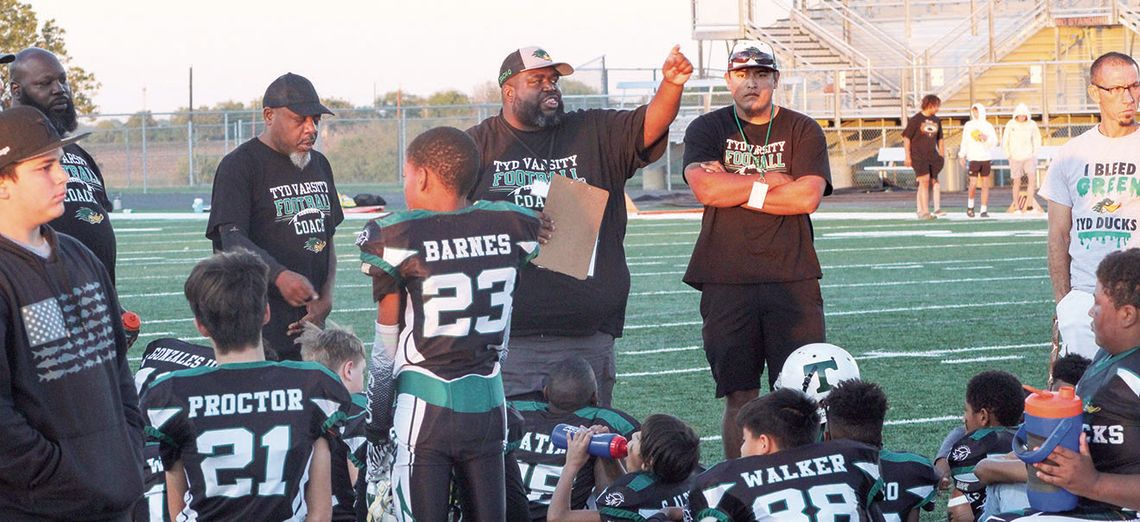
(753, 54)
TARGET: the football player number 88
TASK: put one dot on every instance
(831, 502)
(276, 444)
(436, 304)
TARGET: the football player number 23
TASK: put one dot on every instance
(831, 502)
(276, 444)
(460, 286)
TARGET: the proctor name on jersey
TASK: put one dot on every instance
(242, 403)
(818, 466)
(467, 247)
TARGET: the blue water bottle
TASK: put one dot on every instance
(604, 445)
(1050, 419)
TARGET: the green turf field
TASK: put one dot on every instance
(921, 305)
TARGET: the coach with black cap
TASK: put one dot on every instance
(274, 195)
(760, 170)
(554, 315)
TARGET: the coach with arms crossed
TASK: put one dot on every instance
(274, 195)
(531, 140)
(759, 170)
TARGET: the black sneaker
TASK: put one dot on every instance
(970, 212)
(985, 214)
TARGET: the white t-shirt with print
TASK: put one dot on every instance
(1097, 177)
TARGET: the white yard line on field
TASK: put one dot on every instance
(982, 359)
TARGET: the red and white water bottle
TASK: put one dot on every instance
(131, 325)
(604, 445)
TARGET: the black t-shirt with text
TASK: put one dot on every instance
(924, 133)
(641, 494)
(86, 207)
(290, 213)
(741, 246)
(601, 147)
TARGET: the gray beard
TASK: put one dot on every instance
(300, 159)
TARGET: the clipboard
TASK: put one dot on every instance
(576, 209)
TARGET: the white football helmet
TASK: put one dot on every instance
(816, 368)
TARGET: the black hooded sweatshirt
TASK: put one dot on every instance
(70, 428)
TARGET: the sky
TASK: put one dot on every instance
(351, 49)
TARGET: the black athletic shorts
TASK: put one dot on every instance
(927, 166)
(748, 326)
(980, 168)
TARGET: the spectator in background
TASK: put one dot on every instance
(978, 139)
(1020, 141)
(926, 153)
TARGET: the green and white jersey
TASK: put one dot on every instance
(540, 462)
(822, 482)
(245, 434)
(968, 452)
(456, 272)
(637, 496)
(909, 483)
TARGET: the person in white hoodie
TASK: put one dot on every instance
(978, 138)
(1020, 141)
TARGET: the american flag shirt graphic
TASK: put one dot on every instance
(71, 332)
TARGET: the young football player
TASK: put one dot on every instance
(783, 473)
(571, 397)
(444, 273)
(247, 439)
(994, 404)
(662, 459)
(162, 356)
(342, 353)
(856, 410)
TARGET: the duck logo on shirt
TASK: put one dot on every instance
(315, 245)
(90, 216)
(1106, 205)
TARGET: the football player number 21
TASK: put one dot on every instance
(462, 295)
(276, 444)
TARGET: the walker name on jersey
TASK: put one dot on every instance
(539, 443)
(466, 247)
(818, 466)
(745, 158)
(298, 203)
(518, 177)
(242, 403)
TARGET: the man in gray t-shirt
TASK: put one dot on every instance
(1092, 188)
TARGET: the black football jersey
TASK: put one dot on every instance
(834, 480)
(540, 462)
(1110, 390)
(456, 272)
(636, 496)
(161, 357)
(968, 452)
(245, 434)
(909, 483)
(350, 449)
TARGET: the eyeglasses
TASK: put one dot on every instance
(1132, 88)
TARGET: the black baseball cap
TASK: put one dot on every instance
(529, 58)
(26, 133)
(295, 92)
(7, 57)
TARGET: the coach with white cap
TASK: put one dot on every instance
(274, 195)
(759, 170)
